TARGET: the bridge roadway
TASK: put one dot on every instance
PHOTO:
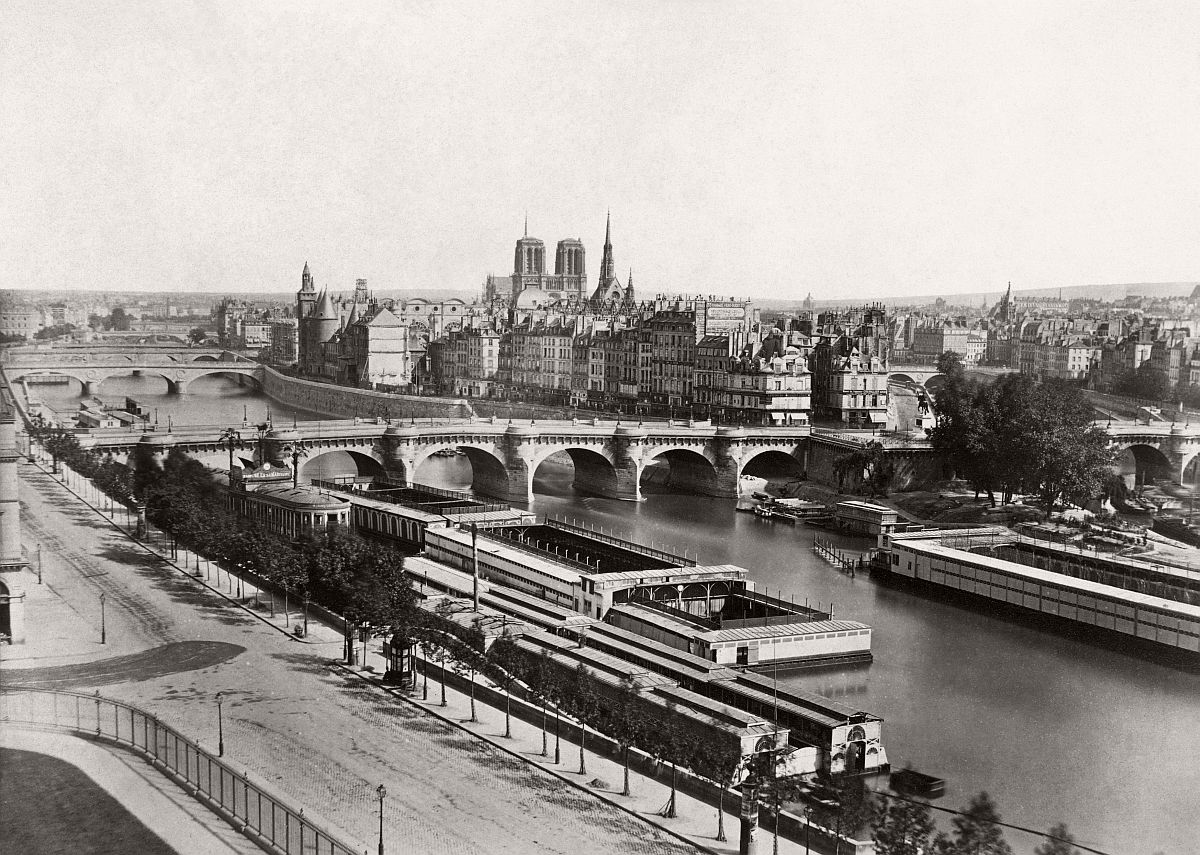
(609, 456)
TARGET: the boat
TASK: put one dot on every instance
(914, 783)
(770, 513)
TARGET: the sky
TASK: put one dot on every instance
(759, 149)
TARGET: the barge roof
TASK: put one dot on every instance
(935, 550)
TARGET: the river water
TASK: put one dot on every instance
(1056, 730)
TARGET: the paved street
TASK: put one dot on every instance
(294, 719)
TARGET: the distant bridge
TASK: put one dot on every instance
(609, 457)
(93, 365)
(920, 375)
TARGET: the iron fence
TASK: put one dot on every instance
(263, 817)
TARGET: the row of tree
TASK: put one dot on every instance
(365, 582)
(361, 580)
(905, 826)
(1015, 435)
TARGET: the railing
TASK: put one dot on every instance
(266, 819)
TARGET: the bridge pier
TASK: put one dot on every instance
(91, 388)
(176, 387)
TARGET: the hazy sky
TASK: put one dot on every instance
(767, 150)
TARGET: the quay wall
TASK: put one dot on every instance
(915, 468)
(343, 401)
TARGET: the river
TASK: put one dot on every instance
(1056, 730)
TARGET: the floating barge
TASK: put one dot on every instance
(910, 782)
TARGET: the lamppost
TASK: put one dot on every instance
(297, 453)
(381, 791)
(103, 633)
(231, 439)
(220, 726)
(39, 562)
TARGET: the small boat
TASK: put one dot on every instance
(770, 513)
(914, 783)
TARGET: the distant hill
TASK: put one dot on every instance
(1113, 291)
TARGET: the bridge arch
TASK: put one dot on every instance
(333, 462)
(594, 472)
(901, 377)
(1144, 463)
(935, 382)
(490, 474)
(192, 374)
(688, 471)
(773, 463)
(30, 373)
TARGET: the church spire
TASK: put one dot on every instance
(606, 262)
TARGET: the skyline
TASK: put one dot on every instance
(769, 150)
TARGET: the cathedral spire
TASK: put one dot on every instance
(606, 262)
(526, 224)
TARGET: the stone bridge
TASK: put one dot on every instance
(1163, 450)
(609, 457)
(920, 375)
(91, 367)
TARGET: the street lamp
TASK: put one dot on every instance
(103, 633)
(231, 439)
(39, 562)
(297, 453)
(381, 791)
(220, 726)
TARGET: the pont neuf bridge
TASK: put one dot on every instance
(609, 457)
(399, 432)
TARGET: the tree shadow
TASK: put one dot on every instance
(181, 588)
(177, 657)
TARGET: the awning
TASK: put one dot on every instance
(779, 417)
(878, 418)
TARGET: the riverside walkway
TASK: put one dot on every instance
(320, 733)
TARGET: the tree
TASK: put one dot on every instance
(53, 332)
(625, 722)
(1147, 382)
(903, 827)
(466, 656)
(976, 831)
(1059, 841)
(583, 704)
(434, 638)
(871, 464)
(1017, 435)
(502, 665)
(118, 320)
(950, 363)
(197, 335)
(718, 762)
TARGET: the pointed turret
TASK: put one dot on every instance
(325, 310)
(629, 298)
